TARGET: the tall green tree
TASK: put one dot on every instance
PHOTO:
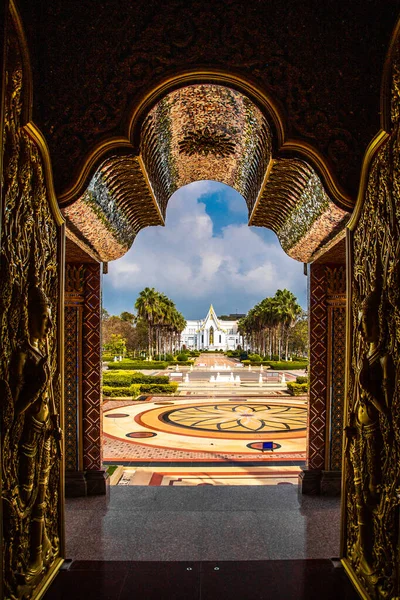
(165, 323)
(266, 327)
(147, 306)
(288, 310)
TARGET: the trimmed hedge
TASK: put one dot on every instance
(126, 378)
(166, 388)
(130, 365)
(182, 363)
(297, 389)
(136, 389)
(253, 363)
(302, 379)
(110, 391)
(285, 366)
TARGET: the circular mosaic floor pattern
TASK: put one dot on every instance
(239, 418)
(226, 420)
(222, 426)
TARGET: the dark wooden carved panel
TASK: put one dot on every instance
(30, 363)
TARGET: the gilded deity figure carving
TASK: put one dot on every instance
(372, 400)
(35, 406)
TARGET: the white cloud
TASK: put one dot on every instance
(183, 260)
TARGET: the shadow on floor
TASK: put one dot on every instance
(248, 580)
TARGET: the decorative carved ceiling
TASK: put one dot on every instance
(204, 132)
(320, 63)
(294, 204)
(117, 204)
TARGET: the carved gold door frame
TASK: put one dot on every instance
(371, 472)
(31, 341)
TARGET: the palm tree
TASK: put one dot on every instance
(288, 310)
(147, 306)
(165, 323)
(267, 324)
(270, 321)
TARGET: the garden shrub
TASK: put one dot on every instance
(117, 378)
(302, 379)
(124, 378)
(286, 366)
(182, 357)
(256, 358)
(297, 389)
(166, 388)
(245, 362)
(182, 363)
(135, 365)
(131, 391)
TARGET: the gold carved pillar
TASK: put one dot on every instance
(31, 345)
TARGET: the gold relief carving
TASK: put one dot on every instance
(368, 429)
(30, 382)
(336, 280)
(372, 466)
(74, 278)
(206, 141)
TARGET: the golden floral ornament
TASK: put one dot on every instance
(207, 141)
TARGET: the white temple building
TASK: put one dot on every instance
(211, 333)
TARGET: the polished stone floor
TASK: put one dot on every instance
(259, 580)
(203, 523)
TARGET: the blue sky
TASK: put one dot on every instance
(206, 254)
